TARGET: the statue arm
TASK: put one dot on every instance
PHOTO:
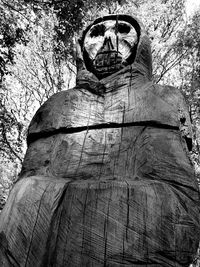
(175, 96)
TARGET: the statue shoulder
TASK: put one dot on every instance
(50, 108)
(64, 110)
(171, 95)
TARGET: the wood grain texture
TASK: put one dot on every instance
(98, 223)
(107, 179)
(145, 102)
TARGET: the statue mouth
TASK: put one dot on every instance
(108, 62)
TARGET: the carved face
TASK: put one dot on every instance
(109, 44)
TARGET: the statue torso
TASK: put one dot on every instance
(111, 136)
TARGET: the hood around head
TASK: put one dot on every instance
(141, 57)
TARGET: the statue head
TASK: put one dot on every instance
(109, 44)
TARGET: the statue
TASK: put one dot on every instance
(106, 180)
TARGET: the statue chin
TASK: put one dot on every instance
(107, 63)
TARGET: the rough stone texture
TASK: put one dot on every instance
(106, 180)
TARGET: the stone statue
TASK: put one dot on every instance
(106, 180)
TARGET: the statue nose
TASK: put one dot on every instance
(107, 44)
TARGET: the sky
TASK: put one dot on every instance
(191, 5)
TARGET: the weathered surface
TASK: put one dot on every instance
(106, 180)
(99, 223)
(145, 103)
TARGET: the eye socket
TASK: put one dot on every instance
(123, 28)
(98, 30)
